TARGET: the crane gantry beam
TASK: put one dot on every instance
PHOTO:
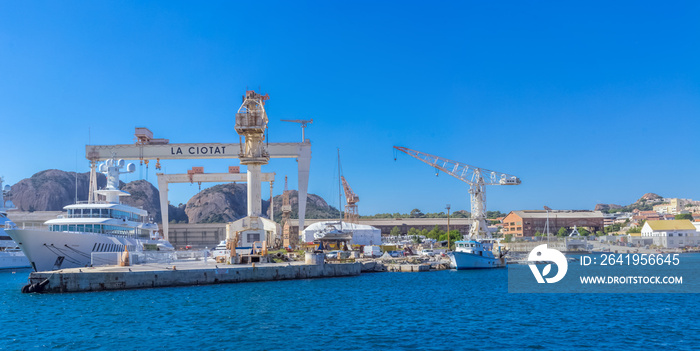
(476, 177)
(165, 179)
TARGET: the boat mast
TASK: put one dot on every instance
(340, 213)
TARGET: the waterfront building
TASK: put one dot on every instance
(669, 234)
(525, 224)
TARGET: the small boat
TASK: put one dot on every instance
(473, 254)
(222, 250)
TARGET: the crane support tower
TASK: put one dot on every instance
(351, 214)
(476, 177)
(287, 239)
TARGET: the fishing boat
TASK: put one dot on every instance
(10, 254)
(91, 227)
(475, 254)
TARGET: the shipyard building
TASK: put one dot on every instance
(525, 224)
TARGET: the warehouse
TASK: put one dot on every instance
(525, 224)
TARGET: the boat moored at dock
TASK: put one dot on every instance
(92, 227)
(473, 254)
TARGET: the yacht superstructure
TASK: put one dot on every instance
(90, 227)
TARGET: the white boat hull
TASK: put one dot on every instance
(464, 260)
(13, 260)
(48, 250)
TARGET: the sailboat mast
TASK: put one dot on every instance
(340, 213)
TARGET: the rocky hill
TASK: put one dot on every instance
(316, 207)
(645, 203)
(606, 207)
(220, 203)
(51, 189)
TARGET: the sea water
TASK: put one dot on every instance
(445, 310)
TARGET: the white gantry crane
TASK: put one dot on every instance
(476, 177)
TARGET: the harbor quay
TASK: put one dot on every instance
(185, 273)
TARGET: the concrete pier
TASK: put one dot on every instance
(184, 273)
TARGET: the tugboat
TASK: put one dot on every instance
(473, 254)
(97, 226)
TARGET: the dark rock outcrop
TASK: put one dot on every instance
(52, 189)
(176, 214)
(143, 195)
(606, 207)
(220, 203)
(316, 207)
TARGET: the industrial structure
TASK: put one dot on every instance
(303, 123)
(351, 200)
(525, 224)
(476, 177)
(288, 240)
(196, 174)
(251, 123)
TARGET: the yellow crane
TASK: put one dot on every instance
(351, 214)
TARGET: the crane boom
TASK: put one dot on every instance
(303, 123)
(476, 177)
(464, 172)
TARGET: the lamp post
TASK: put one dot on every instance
(448, 227)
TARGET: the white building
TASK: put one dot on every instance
(361, 234)
(671, 233)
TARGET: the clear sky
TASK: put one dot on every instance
(591, 102)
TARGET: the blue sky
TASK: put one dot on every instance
(587, 103)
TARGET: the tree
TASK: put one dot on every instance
(413, 232)
(584, 232)
(507, 238)
(454, 236)
(538, 233)
(416, 213)
(395, 231)
(599, 233)
(424, 233)
(435, 233)
(563, 232)
(494, 214)
(684, 216)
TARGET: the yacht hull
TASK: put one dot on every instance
(11, 259)
(48, 250)
(464, 260)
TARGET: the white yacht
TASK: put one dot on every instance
(10, 254)
(91, 227)
(473, 254)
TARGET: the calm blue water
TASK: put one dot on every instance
(447, 310)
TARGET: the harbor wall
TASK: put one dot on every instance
(75, 280)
